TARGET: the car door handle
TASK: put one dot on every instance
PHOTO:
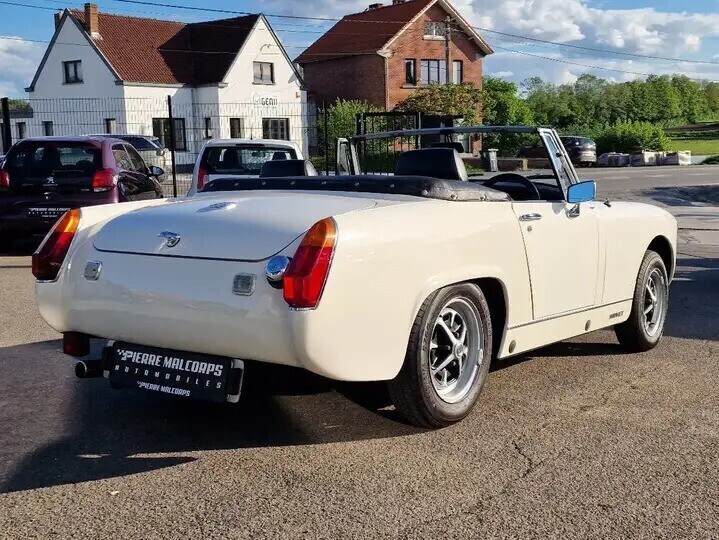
(530, 217)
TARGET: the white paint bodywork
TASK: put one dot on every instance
(562, 277)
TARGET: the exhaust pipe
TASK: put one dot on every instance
(87, 369)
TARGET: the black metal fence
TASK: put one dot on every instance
(182, 127)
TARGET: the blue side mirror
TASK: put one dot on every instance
(582, 192)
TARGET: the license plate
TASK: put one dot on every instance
(46, 213)
(177, 373)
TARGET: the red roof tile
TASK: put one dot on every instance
(168, 52)
(354, 36)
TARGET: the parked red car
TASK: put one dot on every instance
(42, 178)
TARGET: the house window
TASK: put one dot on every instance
(21, 130)
(72, 71)
(264, 72)
(457, 72)
(237, 128)
(110, 126)
(434, 71)
(276, 128)
(48, 129)
(161, 130)
(410, 71)
(434, 29)
(208, 127)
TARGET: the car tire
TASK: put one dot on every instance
(433, 390)
(643, 330)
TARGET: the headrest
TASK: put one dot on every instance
(287, 167)
(442, 163)
(230, 159)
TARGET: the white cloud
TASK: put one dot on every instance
(502, 74)
(643, 30)
(19, 60)
(646, 31)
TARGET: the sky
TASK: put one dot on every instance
(685, 31)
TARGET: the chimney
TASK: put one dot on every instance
(91, 21)
(398, 2)
(374, 6)
(58, 16)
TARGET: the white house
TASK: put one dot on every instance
(106, 73)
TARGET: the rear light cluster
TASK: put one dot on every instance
(104, 180)
(4, 180)
(201, 176)
(48, 259)
(306, 275)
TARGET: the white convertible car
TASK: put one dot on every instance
(420, 278)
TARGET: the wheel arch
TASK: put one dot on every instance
(495, 292)
(664, 248)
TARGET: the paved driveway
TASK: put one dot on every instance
(575, 440)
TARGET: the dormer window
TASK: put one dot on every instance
(72, 72)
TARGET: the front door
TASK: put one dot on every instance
(562, 253)
(562, 243)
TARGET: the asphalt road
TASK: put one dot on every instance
(574, 440)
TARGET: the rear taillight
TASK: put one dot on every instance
(48, 258)
(306, 275)
(104, 180)
(4, 180)
(201, 176)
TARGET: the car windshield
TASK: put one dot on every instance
(141, 143)
(65, 162)
(242, 159)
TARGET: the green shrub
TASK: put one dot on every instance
(711, 160)
(632, 137)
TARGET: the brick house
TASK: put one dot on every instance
(383, 54)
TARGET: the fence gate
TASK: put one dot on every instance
(380, 156)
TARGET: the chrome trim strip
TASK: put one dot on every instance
(566, 314)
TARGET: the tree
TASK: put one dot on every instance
(694, 106)
(18, 105)
(464, 100)
(502, 106)
(711, 96)
(341, 122)
(632, 137)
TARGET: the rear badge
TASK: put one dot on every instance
(92, 270)
(171, 238)
(243, 284)
(218, 206)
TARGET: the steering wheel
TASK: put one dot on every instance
(514, 178)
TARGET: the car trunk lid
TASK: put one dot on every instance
(251, 226)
